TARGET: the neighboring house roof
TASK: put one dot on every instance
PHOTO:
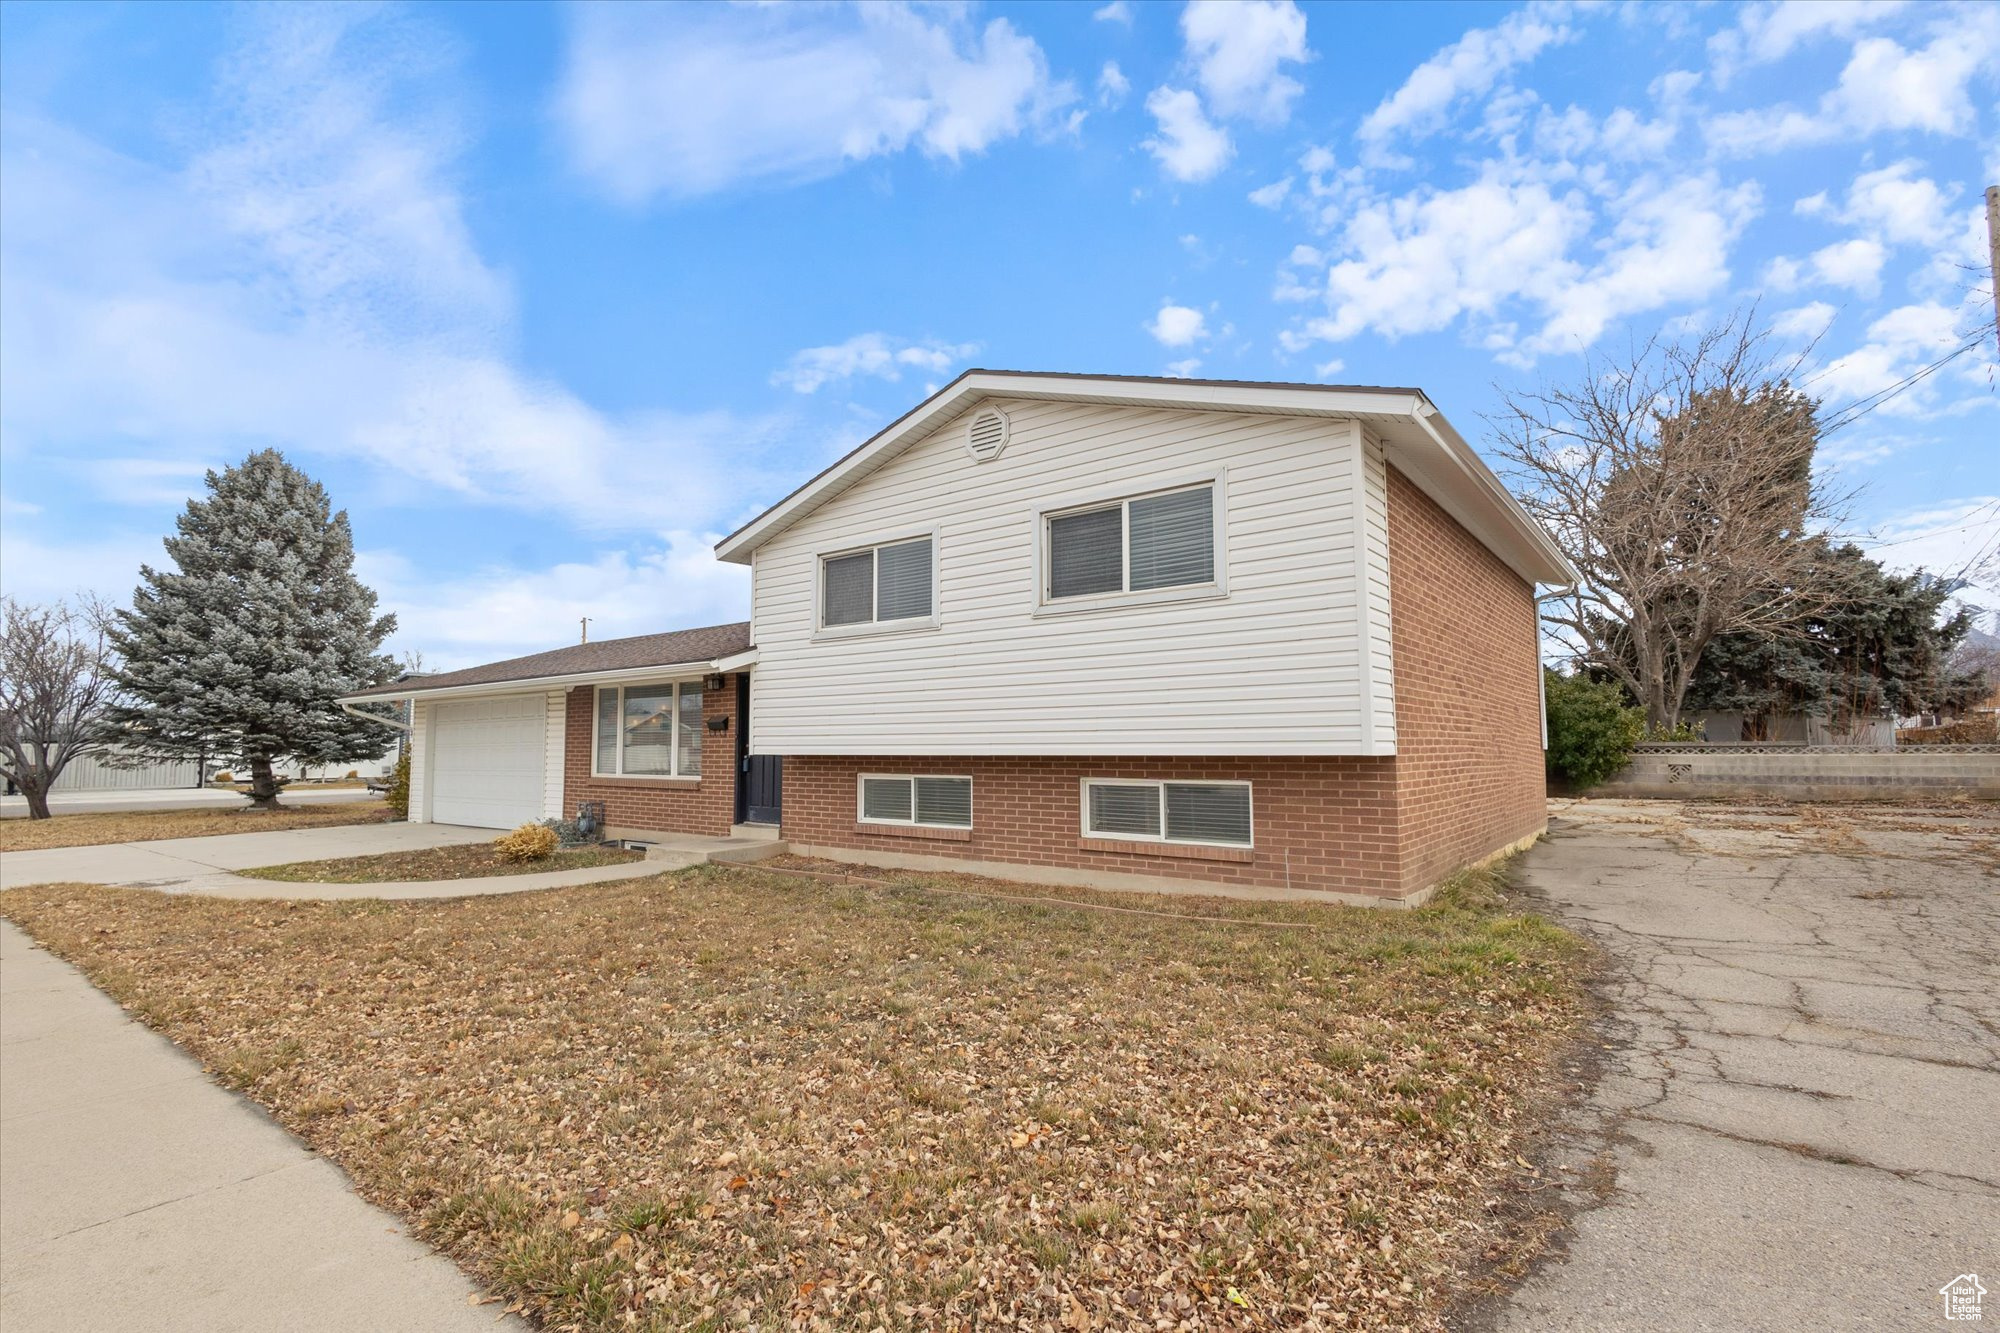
(1417, 439)
(706, 648)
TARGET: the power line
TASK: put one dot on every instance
(1854, 411)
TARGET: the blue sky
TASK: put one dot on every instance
(550, 297)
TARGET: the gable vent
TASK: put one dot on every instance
(987, 434)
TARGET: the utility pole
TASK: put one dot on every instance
(584, 622)
(1993, 250)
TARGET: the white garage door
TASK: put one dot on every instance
(487, 760)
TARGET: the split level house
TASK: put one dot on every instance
(1275, 639)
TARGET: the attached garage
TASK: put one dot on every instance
(489, 764)
(647, 731)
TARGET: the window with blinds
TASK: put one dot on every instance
(648, 731)
(1201, 812)
(1147, 542)
(887, 583)
(926, 801)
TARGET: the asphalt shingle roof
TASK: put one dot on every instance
(706, 644)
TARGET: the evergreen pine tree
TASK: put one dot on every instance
(241, 653)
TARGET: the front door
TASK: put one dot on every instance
(760, 778)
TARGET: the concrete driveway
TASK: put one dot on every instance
(1800, 1093)
(173, 798)
(191, 864)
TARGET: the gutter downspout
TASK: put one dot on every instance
(350, 709)
(1542, 680)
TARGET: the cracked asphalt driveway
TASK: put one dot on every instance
(1800, 1081)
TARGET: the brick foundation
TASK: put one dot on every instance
(637, 806)
(1321, 825)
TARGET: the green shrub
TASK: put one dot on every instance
(1591, 728)
(530, 842)
(399, 785)
(1682, 731)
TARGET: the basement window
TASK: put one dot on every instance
(1205, 813)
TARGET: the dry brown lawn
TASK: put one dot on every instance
(731, 1098)
(434, 863)
(96, 828)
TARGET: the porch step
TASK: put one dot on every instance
(756, 832)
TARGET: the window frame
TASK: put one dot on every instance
(822, 630)
(861, 815)
(679, 686)
(1160, 785)
(1126, 596)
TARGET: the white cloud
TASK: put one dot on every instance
(1899, 343)
(1112, 85)
(1514, 243)
(1771, 30)
(1178, 325)
(1953, 540)
(671, 580)
(1326, 370)
(1855, 264)
(1897, 205)
(1804, 322)
(872, 354)
(307, 281)
(1236, 48)
(1272, 195)
(1118, 11)
(1189, 146)
(1181, 370)
(1883, 87)
(1469, 67)
(686, 100)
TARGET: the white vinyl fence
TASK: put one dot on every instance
(93, 772)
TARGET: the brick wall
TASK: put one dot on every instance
(706, 805)
(1320, 824)
(1469, 773)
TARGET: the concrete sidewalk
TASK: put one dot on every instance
(185, 864)
(206, 865)
(136, 1194)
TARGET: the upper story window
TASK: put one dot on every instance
(648, 731)
(881, 584)
(1165, 540)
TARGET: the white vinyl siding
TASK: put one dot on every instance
(1273, 667)
(931, 802)
(1209, 813)
(648, 731)
(892, 582)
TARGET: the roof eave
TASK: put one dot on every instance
(527, 684)
(1211, 395)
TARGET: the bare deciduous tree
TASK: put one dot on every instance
(1679, 482)
(54, 685)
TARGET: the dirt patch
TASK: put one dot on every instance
(97, 828)
(727, 1097)
(436, 863)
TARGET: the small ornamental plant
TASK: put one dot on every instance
(530, 842)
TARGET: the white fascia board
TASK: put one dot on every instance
(538, 684)
(1456, 477)
(941, 406)
(740, 662)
